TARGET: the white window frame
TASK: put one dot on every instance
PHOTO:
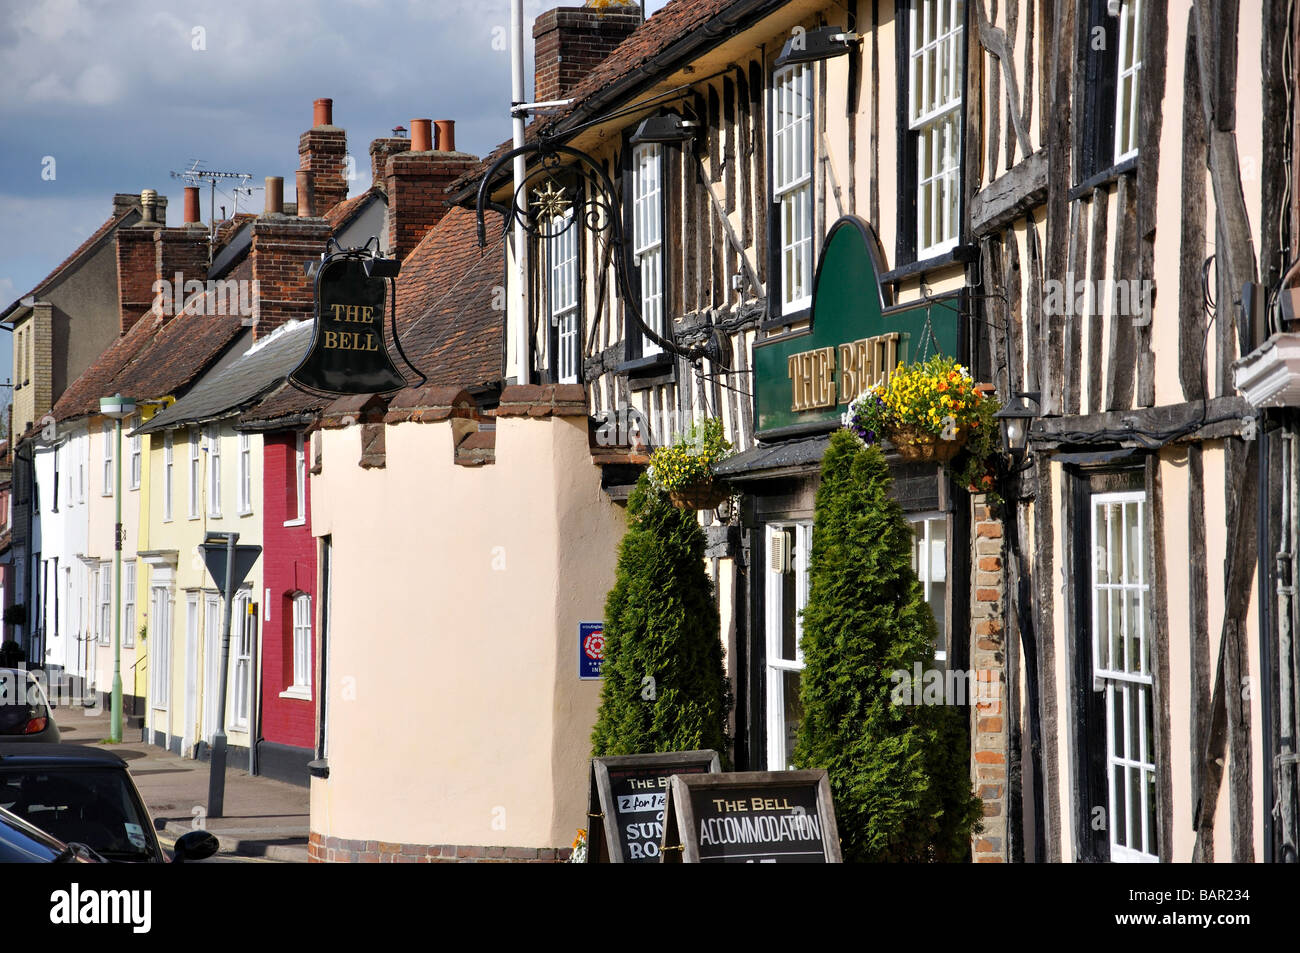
(169, 467)
(128, 603)
(108, 457)
(934, 114)
(792, 182)
(1128, 79)
(300, 608)
(648, 237)
(214, 470)
(777, 666)
(300, 480)
(1128, 682)
(105, 614)
(562, 248)
(933, 570)
(137, 460)
(195, 473)
(160, 647)
(241, 661)
(245, 474)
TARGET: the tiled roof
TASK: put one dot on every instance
(84, 247)
(242, 383)
(283, 408)
(445, 317)
(177, 355)
(677, 20)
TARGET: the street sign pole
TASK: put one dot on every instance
(217, 765)
(228, 565)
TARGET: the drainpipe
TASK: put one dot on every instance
(1029, 655)
(518, 118)
(1286, 756)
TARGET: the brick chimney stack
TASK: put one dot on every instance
(380, 150)
(282, 246)
(416, 181)
(149, 252)
(569, 41)
(322, 153)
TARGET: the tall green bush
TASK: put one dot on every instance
(899, 774)
(664, 685)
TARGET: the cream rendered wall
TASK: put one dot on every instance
(184, 535)
(469, 726)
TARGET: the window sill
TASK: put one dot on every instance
(300, 521)
(302, 694)
(1103, 178)
(247, 512)
(957, 254)
(636, 365)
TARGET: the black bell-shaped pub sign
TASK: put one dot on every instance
(348, 354)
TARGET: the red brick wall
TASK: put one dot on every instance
(569, 41)
(988, 714)
(281, 247)
(287, 721)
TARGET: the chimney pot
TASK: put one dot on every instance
(421, 135)
(323, 112)
(274, 195)
(148, 203)
(446, 129)
(191, 204)
(304, 194)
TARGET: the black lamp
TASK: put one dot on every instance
(1014, 420)
(668, 127)
(809, 46)
(382, 267)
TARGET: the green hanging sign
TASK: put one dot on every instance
(854, 340)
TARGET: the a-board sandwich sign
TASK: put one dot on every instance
(626, 802)
(749, 817)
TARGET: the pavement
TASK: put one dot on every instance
(262, 819)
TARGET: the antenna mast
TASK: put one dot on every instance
(195, 175)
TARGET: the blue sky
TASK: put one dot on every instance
(118, 93)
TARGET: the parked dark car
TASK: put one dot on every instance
(85, 795)
(22, 843)
(24, 710)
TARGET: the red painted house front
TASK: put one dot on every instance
(289, 701)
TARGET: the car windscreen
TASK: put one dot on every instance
(87, 805)
(20, 701)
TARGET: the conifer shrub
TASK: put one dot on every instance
(664, 685)
(899, 774)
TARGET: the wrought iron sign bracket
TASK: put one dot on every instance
(598, 207)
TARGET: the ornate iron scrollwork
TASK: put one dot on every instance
(568, 190)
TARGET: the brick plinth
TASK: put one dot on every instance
(325, 849)
(988, 715)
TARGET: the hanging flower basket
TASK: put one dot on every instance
(700, 496)
(919, 446)
(683, 470)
